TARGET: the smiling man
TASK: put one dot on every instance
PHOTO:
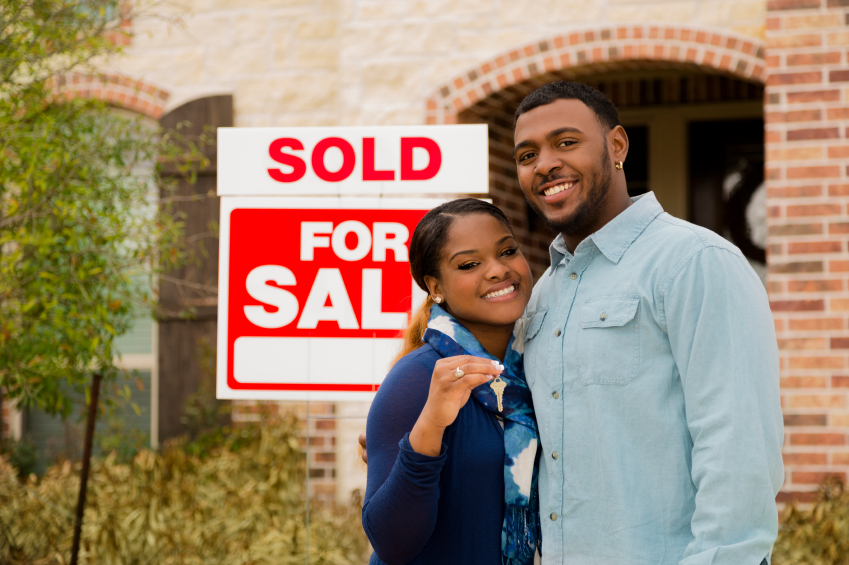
(651, 354)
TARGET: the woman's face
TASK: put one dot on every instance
(484, 279)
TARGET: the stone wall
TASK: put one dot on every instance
(807, 126)
(348, 62)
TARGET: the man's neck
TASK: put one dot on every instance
(613, 209)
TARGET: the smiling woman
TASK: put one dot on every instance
(422, 506)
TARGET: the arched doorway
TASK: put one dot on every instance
(690, 99)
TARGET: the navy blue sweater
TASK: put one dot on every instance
(432, 510)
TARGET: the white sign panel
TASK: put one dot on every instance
(353, 160)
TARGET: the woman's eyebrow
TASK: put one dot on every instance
(461, 253)
(499, 242)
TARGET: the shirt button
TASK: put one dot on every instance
(557, 333)
(554, 455)
(555, 395)
(553, 516)
(573, 276)
(603, 317)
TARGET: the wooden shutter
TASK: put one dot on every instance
(187, 344)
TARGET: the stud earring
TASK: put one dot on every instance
(437, 299)
(620, 165)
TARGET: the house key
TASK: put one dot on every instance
(498, 386)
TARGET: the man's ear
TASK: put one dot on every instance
(618, 141)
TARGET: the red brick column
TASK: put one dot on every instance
(807, 152)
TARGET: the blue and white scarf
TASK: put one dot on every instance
(520, 533)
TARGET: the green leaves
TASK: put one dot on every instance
(81, 235)
(819, 536)
(241, 503)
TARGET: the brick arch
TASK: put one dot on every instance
(116, 90)
(601, 50)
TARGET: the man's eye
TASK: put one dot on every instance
(469, 265)
(526, 156)
(567, 143)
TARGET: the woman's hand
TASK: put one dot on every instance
(446, 396)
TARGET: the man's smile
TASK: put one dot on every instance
(557, 190)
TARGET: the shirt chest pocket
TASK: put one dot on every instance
(607, 347)
(533, 325)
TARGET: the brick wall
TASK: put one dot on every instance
(319, 430)
(807, 145)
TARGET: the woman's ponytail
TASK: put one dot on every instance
(415, 329)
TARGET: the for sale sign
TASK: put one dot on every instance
(315, 291)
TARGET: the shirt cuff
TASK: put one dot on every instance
(413, 458)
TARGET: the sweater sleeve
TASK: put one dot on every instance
(402, 493)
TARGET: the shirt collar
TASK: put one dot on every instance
(615, 237)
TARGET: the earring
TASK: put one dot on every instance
(437, 299)
(620, 165)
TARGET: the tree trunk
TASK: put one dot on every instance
(89, 438)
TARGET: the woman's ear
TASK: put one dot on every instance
(433, 287)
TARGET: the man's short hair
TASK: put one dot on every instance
(600, 104)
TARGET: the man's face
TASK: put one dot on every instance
(564, 166)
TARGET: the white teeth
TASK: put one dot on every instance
(558, 188)
(502, 292)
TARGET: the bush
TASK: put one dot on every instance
(21, 454)
(242, 502)
(819, 536)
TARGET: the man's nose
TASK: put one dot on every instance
(547, 163)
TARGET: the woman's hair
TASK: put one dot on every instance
(426, 247)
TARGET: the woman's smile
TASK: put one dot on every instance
(502, 292)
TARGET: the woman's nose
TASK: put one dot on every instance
(497, 270)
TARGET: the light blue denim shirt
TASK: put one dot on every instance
(653, 363)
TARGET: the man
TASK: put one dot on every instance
(651, 355)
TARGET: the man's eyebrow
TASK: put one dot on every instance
(558, 131)
(499, 242)
(551, 134)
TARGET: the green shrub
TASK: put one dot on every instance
(21, 454)
(819, 536)
(242, 502)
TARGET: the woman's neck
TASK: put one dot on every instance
(493, 338)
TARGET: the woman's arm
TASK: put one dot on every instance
(402, 495)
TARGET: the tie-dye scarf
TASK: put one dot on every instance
(520, 533)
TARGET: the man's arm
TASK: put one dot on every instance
(722, 336)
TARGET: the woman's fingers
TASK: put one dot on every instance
(464, 360)
(475, 369)
(475, 380)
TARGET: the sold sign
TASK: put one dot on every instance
(356, 160)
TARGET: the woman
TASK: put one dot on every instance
(452, 470)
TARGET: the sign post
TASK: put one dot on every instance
(314, 281)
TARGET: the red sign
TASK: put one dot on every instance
(308, 288)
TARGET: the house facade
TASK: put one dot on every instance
(737, 111)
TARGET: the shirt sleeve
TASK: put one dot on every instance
(722, 336)
(402, 491)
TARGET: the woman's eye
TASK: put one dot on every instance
(468, 265)
(511, 251)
